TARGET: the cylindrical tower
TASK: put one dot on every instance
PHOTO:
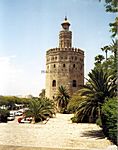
(64, 65)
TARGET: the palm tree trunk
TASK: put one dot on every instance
(106, 54)
(33, 120)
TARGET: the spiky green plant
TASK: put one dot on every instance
(62, 99)
(99, 86)
(40, 109)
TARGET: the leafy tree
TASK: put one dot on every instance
(40, 109)
(111, 5)
(109, 119)
(114, 27)
(62, 99)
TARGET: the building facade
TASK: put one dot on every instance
(64, 65)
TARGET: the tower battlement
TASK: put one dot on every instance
(77, 50)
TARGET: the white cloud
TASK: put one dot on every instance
(8, 73)
(15, 80)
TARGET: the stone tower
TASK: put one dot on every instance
(64, 65)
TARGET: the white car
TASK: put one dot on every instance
(18, 113)
(25, 120)
(11, 116)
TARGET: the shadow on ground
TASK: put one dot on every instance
(94, 134)
(8, 147)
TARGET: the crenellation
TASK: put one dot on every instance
(77, 50)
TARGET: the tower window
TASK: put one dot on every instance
(64, 65)
(54, 65)
(73, 65)
(74, 83)
(54, 83)
(75, 58)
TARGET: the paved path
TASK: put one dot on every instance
(58, 132)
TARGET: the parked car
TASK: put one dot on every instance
(11, 116)
(25, 120)
(18, 113)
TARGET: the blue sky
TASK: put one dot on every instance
(30, 27)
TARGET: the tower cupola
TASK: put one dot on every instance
(65, 24)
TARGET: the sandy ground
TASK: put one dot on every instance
(58, 132)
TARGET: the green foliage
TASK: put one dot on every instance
(10, 101)
(111, 5)
(114, 27)
(3, 115)
(62, 99)
(74, 102)
(40, 109)
(99, 58)
(74, 119)
(99, 86)
(109, 118)
(99, 121)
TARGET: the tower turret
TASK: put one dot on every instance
(65, 36)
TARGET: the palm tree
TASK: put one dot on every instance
(62, 99)
(99, 58)
(98, 88)
(40, 109)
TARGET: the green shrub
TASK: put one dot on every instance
(74, 119)
(109, 119)
(3, 115)
(74, 102)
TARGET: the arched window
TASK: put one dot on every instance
(75, 58)
(73, 65)
(54, 83)
(74, 83)
(54, 65)
(64, 65)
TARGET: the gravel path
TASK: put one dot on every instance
(58, 132)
